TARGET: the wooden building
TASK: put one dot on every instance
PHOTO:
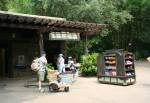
(24, 36)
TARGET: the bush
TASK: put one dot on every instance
(88, 65)
(141, 55)
(49, 67)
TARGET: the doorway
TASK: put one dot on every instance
(2, 62)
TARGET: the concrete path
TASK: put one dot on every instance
(85, 90)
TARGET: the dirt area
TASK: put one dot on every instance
(84, 90)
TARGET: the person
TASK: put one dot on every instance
(148, 59)
(60, 64)
(42, 70)
(70, 60)
(73, 69)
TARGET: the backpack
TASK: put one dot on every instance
(35, 66)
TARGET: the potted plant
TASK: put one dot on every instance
(49, 67)
(51, 73)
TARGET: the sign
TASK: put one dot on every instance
(64, 36)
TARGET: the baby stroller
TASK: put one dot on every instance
(55, 84)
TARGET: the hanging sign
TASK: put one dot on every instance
(64, 36)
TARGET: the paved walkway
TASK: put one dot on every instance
(85, 90)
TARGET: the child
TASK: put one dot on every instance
(73, 69)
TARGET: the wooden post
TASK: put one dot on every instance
(41, 45)
(40, 33)
(85, 44)
(63, 48)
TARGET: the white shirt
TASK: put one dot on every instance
(42, 62)
(60, 61)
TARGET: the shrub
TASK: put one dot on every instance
(49, 67)
(88, 65)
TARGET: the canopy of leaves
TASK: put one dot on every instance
(133, 36)
(98, 11)
(3, 4)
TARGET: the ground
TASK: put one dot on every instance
(84, 90)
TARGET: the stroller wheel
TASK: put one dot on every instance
(53, 87)
(66, 89)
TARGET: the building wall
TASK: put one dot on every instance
(23, 54)
(22, 46)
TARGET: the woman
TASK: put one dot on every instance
(61, 64)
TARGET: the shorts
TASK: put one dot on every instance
(41, 75)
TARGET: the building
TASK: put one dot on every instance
(24, 36)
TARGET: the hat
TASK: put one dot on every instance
(70, 57)
(60, 55)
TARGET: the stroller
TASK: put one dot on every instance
(55, 84)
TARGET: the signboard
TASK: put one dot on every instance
(64, 36)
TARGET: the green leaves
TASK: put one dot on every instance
(3, 4)
(74, 49)
(88, 65)
(98, 11)
(49, 67)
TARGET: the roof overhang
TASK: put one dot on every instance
(50, 24)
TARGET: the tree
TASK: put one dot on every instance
(98, 11)
(135, 34)
(25, 6)
(3, 4)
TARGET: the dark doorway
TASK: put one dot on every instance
(2, 62)
(52, 49)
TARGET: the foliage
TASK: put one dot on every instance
(88, 65)
(141, 24)
(49, 67)
(137, 31)
(133, 36)
(26, 6)
(98, 11)
(3, 4)
(74, 49)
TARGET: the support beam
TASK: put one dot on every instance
(40, 33)
(85, 42)
(40, 41)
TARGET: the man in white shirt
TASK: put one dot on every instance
(41, 72)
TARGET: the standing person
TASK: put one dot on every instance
(41, 72)
(70, 60)
(148, 59)
(60, 64)
(73, 69)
